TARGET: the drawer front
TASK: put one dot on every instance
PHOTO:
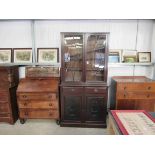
(37, 96)
(4, 96)
(4, 108)
(136, 86)
(4, 115)
(92, 90)
(73, 90)
(38, 104)
(136, 95)
(39, 114)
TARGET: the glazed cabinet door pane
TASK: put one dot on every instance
(72, 108)
(72, 57)
(95, 57)
(96, 108)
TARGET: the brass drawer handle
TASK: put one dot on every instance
(50, 104)
(50, 113)
(25, 103)
(149, 88)
(24, 96)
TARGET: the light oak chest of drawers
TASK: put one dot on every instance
(136, 92)
(38, 98)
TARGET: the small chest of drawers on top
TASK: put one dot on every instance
(9, 78)
(38, 98)
(133, 93)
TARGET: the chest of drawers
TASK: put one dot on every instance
(133, 93)
(9, 78)
(38, 98)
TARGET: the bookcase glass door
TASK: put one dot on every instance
(73, 51)
(95, 57)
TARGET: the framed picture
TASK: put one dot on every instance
(129, 56)
(144, 56)
(5, 55)
(115, 56)
(22, 55)
(48, 55)
(130, 59)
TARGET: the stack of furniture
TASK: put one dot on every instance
(84, 79)
(9, 78)
(133, 93)
(38, 95)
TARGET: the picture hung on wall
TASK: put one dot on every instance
(22, 55)
(144, 56)
(129, 56)
(5, 55)
(48, 55)
(115, 56)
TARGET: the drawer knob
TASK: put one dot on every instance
(72, 89)
(124, 95)
(95, 90)
(50, 104)
(148, 95)
(149, 88)
(124, 88)
(24, 96)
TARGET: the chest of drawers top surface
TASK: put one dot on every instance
(131, 79)
(38, 85)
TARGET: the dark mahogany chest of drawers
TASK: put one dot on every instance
(38, 98)
(9, 78)
(133, 93)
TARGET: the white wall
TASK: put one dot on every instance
(124, 34)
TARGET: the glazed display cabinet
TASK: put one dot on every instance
(83, 87)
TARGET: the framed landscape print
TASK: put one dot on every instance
(115, 56)
(22, 55)
(129, 56)
(144, 56)
(5, 55)
(48, 55)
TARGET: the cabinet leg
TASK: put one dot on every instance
(22, 121)
(58, 122)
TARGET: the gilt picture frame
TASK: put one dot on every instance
(144, 56)
(22, 55)
(48, 55)
(5, 55)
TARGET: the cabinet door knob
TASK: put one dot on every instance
(149, 88)
(95, 90)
